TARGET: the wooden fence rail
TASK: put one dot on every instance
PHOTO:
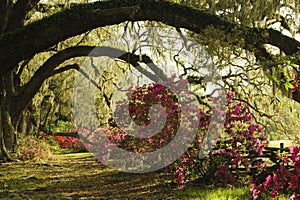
(269, 156)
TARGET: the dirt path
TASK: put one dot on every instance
(78, 177)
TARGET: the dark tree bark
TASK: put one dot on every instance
(18, 13)
(4, 156)
(6, 133)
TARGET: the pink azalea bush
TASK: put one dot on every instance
(69, 142)
(285, 180)
(240, 135)
(142, 99)
(295, 82)
(31, 148)
(238, 144)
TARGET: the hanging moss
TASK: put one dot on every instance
(83, 17)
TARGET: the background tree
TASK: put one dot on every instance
(239, 36)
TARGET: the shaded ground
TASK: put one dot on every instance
(77, 176)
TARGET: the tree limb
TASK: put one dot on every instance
(27, 91)
(44, 33)
(5, 8)
(18, 13)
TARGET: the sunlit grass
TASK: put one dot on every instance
(243, 193)
(76, 155)
(216, 194)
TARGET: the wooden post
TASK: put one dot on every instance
(281, 147)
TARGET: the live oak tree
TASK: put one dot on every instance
(239, 25)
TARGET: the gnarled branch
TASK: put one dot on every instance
(47, 32)
(28, 90)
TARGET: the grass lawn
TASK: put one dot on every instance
(77, 176)
(241, 193)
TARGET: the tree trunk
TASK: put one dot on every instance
(4, 156)
(7, 133)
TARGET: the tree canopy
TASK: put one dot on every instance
(230, 22)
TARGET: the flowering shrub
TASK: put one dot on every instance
(31, 148)
(239, 142)
(283, 180)
(69, 142)
(295, 82)
(141, 104)
(142, 99)
(223, 176)
(240, 135)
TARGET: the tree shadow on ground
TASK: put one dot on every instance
(78, 178)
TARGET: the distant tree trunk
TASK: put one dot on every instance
(4, 156)
(24, 126)
(7, 131)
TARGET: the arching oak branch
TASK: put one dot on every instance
(27, 91)
(43, 34)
